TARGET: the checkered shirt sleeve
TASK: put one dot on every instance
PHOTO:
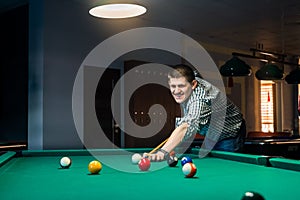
(205, 104)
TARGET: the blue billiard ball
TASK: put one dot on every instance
(185, 160)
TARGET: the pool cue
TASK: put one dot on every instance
(160, 145)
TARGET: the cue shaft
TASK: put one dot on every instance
(160, 145)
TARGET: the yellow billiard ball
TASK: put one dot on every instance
(94, 167)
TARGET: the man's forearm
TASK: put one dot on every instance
(176, 137)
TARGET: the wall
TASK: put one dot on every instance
(67, 38)
(62, 35)
(14, 75)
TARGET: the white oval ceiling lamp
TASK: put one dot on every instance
(117, 11)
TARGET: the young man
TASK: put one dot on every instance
(206, 111)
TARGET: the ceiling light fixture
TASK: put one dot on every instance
(235, 67)
(293, 77)
(269, 72)
(117, 11)
(268, 53)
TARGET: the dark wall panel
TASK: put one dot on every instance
(14, 75)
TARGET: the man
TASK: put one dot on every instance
(203, 106)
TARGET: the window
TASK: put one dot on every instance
(267, 106)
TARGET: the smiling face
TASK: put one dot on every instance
(181, 89)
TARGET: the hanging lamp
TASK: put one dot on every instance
(269, 72)
(235, 67)
(293, 77)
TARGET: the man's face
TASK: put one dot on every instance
(181, 89)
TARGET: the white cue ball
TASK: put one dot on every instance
(135, 159)
(65, 162)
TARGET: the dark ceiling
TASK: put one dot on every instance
(273, 25)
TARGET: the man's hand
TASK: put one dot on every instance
(158, 156)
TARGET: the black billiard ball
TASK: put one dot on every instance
(172, 161)
(252, 196)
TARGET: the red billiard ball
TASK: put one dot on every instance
(172, 153)
(144, 164)
(189, 170)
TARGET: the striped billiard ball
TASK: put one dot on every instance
(189, 170)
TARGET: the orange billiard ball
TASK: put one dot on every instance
(94, 167)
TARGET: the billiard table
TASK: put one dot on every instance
(220, 175)
(285, 147)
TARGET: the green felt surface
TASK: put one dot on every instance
(40, 177)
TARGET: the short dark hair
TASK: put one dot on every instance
(182, 70)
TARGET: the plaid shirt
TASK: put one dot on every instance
(208, 112)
